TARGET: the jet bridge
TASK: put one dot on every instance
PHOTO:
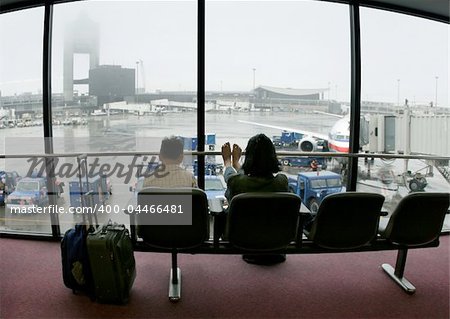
(413, 133)
(410, 133)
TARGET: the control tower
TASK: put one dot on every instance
(81, 36)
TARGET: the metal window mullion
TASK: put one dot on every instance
(201, 92)
(47, 111)
(355, 99)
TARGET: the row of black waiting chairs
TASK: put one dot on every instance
(270, 222)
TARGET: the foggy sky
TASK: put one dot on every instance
(301, 44)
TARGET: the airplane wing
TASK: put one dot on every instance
(307, 133)
(3, 114)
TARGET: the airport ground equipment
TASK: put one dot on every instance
(289, 141)
(29, 192)
(190, 143)
(97, 186)
(416, 181)
(303, 162)
(312, 187)
(294, 141)
(211, 168)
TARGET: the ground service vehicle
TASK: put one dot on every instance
(303, 162)
(312, 187)
(29, 192)
(289, 141)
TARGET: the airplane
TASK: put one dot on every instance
(338, 141)
(338, 138)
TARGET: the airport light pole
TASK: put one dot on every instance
(329, 91)
(435, 98)
(137, 81)
(254, 78)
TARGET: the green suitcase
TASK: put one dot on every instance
(112, 262)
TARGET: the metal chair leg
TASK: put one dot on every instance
(397, 273)
(175, 288)
(175, 280)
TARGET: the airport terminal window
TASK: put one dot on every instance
(152, 58)
(21, 129)
(284, 71)
(21, 74)
(279, 72)
(276, 67)
(124, 76)
(405, 103)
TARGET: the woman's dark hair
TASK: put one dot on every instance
(260, 157)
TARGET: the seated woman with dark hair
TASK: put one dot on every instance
(255, 175)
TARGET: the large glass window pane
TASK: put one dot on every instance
(281, 68)
(405, 104)
(21, 128)
(124, 77)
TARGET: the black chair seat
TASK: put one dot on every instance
(263, 221)
(172, 236)
(346, 220)
(417, 220)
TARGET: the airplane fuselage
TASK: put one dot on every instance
(339, 136)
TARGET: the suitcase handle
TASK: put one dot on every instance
(105, 227)
(112, 225)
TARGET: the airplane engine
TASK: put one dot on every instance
(308, 144)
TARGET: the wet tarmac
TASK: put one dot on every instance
(130, 133)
